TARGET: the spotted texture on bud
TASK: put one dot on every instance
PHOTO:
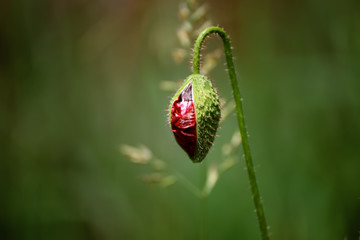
(194, 116)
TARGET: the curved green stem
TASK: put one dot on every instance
(240, 116)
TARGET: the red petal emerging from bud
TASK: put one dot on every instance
(183, 121)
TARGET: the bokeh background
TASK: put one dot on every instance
(79, 78)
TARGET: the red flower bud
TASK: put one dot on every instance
(194, 116)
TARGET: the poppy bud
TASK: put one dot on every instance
(194, 116)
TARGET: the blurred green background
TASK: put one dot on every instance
(79, 78)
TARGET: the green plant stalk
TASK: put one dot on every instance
(240, 117)
(203, 198)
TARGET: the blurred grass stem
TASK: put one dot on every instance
(203, 198)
